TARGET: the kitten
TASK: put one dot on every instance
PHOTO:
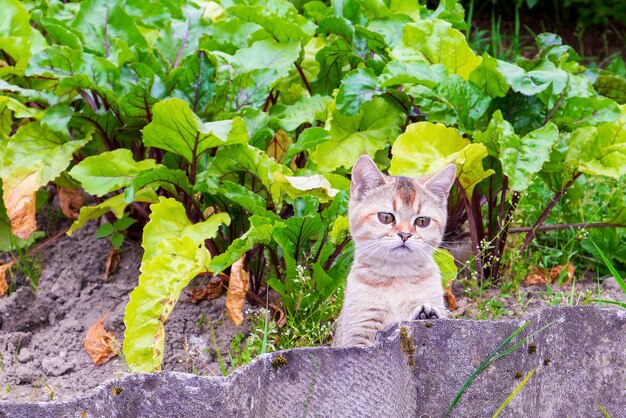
(396, 223)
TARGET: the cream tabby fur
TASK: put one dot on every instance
(392, 279)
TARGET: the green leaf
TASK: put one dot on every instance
(260, 232)
(521, 158)
(488, 77)
(340, 230)
(282, 21)
(304, 110)
(357, 87)
(100, 24)
(535, 81)
(176, 128)
(168, 219)
(117, 240)
(584, 111)
(124, 223)
(308, 140)
(268, 54)
(34, 156)
(109, 171)
(238, 158)
(104, 230)
(601, 150)
(115, 204)
(436, 42)
(194, 81)
(426, 148)
(612, 86)
(235, 193)
(445, 262)
(368, 131)
(18, 39)
(173, 180)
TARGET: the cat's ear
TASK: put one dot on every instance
(441, 183)
(365, 176)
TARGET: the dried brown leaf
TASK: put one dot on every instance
(555, 272)
(237, 289)
(20, 204)
(112, 263)
(212, 290)
(70, 200)
(98, 342)
(4, 286)
(536, 277)
(450, 298)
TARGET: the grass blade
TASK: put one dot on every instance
(609, 302)
(482, 366)
(514, 393)
(611, 268)
(604, 413)
(491, 358)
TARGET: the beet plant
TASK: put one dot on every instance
(228, 131)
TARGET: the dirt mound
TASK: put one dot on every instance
(42, 332)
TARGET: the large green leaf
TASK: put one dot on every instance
(437, 42)
(304, 110)
(521, 158)
(174, 253)
(111, 170)
(278, 56)
(488, 77)
(18, 39)
(612, 86)
(584, 111)
(34, 156)
(194, 81)
(445, 262)
(600, 150)
(426, 148)
(246, 158)
(357, 87)
(534, 81)
(176, 128)
(376, 124)
(103, 24)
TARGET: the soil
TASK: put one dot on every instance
(42, 332)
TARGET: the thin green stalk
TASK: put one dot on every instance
(514, 393)
(604, 413)
(470, 15)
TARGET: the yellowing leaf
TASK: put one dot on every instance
(278, 145)
(98, 343)
(34, 156)
(436, 42)
(237, 289)
(426, 148)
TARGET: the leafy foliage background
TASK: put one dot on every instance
(229, 131)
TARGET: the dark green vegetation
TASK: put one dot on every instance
(228, 132)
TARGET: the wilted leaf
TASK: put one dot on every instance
(98, 343)
(536, 277)
(34, 156)
(555, 272)
(449, 297)
(111, 263)
(237, 289)
(278, 145)
(70, 200)
(212, 290)
(4, 286)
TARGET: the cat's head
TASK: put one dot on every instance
(397, 219)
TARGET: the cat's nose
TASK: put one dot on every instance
(405, 235)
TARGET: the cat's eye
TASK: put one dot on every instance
(386, 218)
(422, 221)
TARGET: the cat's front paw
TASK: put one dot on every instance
(427, 312)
